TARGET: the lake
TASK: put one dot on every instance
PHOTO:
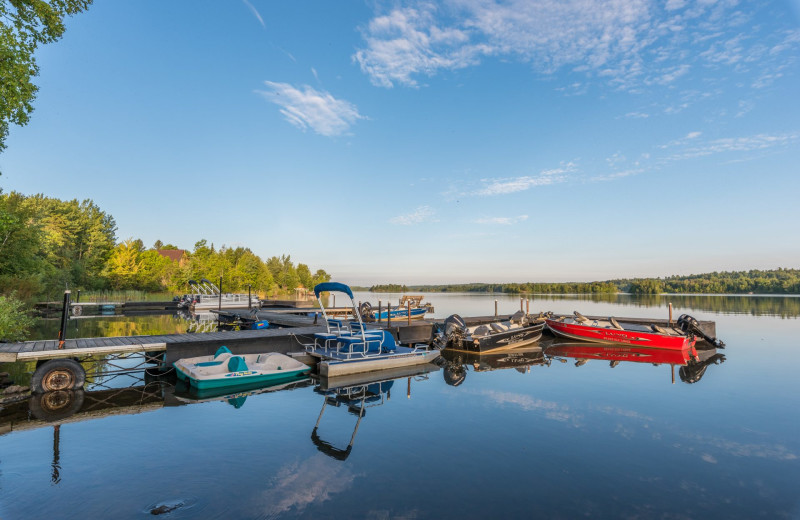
(520, 435)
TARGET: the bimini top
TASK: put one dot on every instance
(332, 286)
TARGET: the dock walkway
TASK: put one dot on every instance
(175, 345)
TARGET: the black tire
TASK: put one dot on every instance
(58, 374)
(56, 406)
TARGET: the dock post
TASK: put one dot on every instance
(379, 311)
(388, 315)
(62, 332)
(527, 305)
(78, 297)
(220, 294)
(670, 315)
(520, 303)
(408, 310)
(495, 308)
(249, 298)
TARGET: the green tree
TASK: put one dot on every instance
(24, 25)
(14, 321)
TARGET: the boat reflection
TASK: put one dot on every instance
(357, 392)
(693, 362)
(456, 362)
(184, 393)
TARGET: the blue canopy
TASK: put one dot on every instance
(332, 286)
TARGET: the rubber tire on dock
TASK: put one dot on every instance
(58, 374)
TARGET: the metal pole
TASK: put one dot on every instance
(249, 298)
(78, 299)
(220, 293)
(670, 315)
(495, 308)
(62, 333)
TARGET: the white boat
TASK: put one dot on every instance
(351, 348)
(205, 296)
(225, 369)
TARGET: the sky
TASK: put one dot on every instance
(432, 142)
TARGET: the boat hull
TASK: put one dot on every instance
(341, 367)
(500, 341)
(613, 336)
(402, 314)
(237, 379)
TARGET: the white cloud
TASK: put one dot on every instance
(505, 221)
(514, 184)
(637, 115)
(625, 43)
(306, 107)
(418, 216)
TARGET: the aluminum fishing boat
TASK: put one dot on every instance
(224, 369)
(519, 330)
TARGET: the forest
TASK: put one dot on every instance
(48, 245)
(773, 281)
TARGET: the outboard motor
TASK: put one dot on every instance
(453, 331)
(365, 309)
(689, 325)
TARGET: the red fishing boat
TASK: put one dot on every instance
(610, 331)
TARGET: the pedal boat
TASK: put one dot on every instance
(224, 369)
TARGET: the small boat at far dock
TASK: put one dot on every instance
(225, 369)
(612, 331)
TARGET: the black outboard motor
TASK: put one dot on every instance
(365, 310)
(689, 325)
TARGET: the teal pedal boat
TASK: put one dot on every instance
(225, 369)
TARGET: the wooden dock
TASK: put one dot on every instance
(175, 346)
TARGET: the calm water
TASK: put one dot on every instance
(542, 438)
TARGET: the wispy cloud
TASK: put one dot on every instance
(624, 43)
(418, 216)
(306, 107)
(255, 12)
(505, 221)
(514, 184)
(733, 144)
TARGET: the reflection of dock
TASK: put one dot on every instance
(72, 406)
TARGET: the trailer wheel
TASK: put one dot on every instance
(58, 374)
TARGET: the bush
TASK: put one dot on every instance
(14, 320)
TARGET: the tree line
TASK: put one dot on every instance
(48, 245)
(773, 281)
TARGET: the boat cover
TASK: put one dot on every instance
(332, 286)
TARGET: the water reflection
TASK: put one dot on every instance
(355, 393)
(692, 363)
(184, 393)
(456, 362)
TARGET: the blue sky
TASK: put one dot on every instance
(419, 142)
